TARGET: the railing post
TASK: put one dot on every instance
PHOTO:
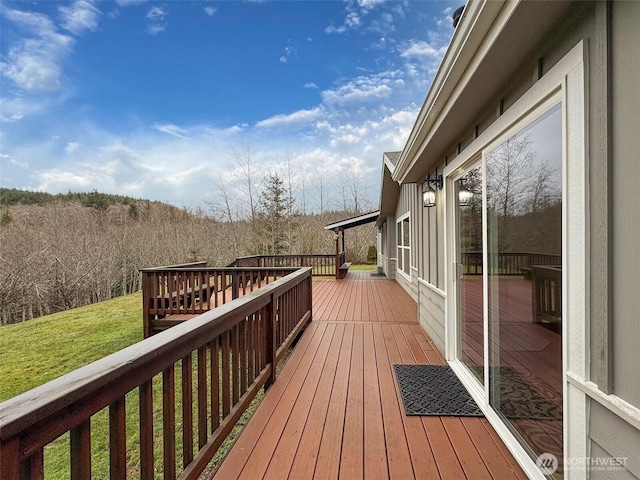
(270, 340)
(234, 285)
(10, 465)
(146, 303)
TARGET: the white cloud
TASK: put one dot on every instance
(171, 129)
(334, 29)
(370, 4)
(71, 147)
(127, 3)
(156, 20)
(310, 85)
(210, 11)
(288, 52)
(352, 20)
(355, 14)
(423, 49)
(298, 119)
(361, 89)
(35, 63)
(81, 15)
(13, 117)
(8, 158)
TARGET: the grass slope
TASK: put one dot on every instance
(37, 351)
(40, 350)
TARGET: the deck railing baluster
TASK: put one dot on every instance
(169, 423)
(117, 440)
(80, 451)
(236, 350)
(145, 399)
(202, 396)
(187, 410)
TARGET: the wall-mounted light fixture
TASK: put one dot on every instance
(464, 195)
(428, 189)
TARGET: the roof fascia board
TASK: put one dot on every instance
(390, 166)
(477, 32)
(354, 221)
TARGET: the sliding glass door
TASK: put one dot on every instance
(468, 214)
(524, 279)
(508, 279)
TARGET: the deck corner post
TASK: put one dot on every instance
(146, 303)
(10, 465)
(270, 340)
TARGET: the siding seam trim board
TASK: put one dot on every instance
(432, 287)
(616, 405)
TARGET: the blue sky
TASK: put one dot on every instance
(151, 99)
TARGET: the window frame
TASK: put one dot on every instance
(403, 252)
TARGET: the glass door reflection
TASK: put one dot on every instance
(468, 201)
(524, 275)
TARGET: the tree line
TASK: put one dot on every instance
(64, 251)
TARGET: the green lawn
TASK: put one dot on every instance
(364, 266)
(40, 350)
(37, 351)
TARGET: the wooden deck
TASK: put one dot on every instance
(335, 410)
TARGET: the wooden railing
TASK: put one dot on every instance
(171, 295)
(508, 263)
(322, 265)
(223, 357)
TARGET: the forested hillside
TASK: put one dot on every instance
(63, 251)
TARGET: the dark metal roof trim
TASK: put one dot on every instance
(354, 221)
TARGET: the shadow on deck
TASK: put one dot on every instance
(336, 412)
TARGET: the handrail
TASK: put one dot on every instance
(324, 265)
(168, 292)
(243, 340)
(508, 263)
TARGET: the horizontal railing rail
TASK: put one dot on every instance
(515, 263)
(171, 293)
(323, 265)
(223, 357)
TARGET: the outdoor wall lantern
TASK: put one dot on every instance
(428, 192)
(464, 195)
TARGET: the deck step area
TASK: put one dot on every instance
(170, 321)
(344, 268)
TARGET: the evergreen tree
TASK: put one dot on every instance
(274, 210)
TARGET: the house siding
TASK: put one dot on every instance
(610, 32)
(614, 225)
(408, 202)
(431, 243)
(612, 437)
(625, 179)
(431, 314)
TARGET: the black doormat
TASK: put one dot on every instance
(434, 390)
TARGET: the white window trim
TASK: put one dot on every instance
(565, 82)
(400, 270)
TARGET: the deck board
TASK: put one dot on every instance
(335, 410)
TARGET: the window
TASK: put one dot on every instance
(403, 235)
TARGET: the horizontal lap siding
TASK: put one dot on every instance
(616, 438)
(431, 315)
